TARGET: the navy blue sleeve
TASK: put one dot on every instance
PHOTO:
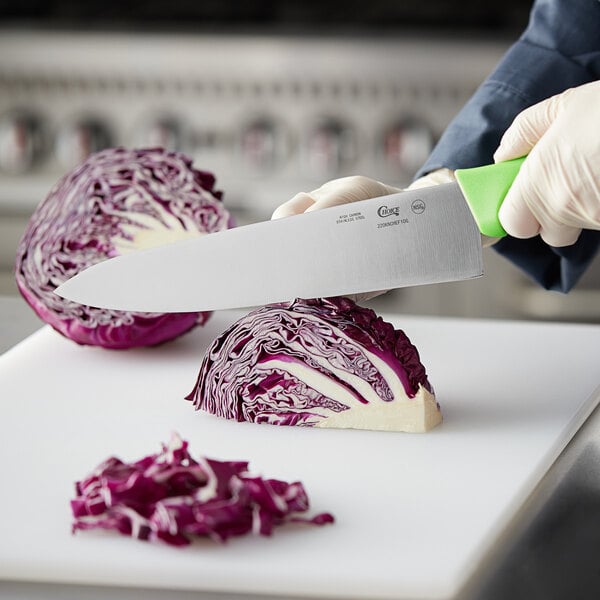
(559, 49)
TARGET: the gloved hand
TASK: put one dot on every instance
(557, 191)
(437, 177)
(334, 193)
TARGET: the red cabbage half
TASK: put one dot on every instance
(118, 200)
(173, 497)
(316, 363)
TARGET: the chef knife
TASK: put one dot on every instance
(424, 236)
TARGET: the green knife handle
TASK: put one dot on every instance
(484, 189)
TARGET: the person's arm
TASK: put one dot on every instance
(559, 49)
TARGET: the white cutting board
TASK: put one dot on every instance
(415, 512)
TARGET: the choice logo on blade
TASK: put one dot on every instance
(387, 211)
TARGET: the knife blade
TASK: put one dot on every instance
(418, 237)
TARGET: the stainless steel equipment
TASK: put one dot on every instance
(268, 112)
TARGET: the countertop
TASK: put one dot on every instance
(549, 551)
(17, 321)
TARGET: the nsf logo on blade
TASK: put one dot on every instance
(417, 206)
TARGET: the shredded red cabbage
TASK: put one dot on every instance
(301, 362)
(173, 497)
(116, 201)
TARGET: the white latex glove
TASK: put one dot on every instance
(334, 193)
(437, 177)
(557, 191)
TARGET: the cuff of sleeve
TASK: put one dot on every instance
(557, 269)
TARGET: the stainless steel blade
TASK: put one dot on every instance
(411, 238)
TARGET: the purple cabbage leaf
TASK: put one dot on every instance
(317, 363)
(174, 498)
(117, 201)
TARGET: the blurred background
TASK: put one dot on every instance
(273, 96)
